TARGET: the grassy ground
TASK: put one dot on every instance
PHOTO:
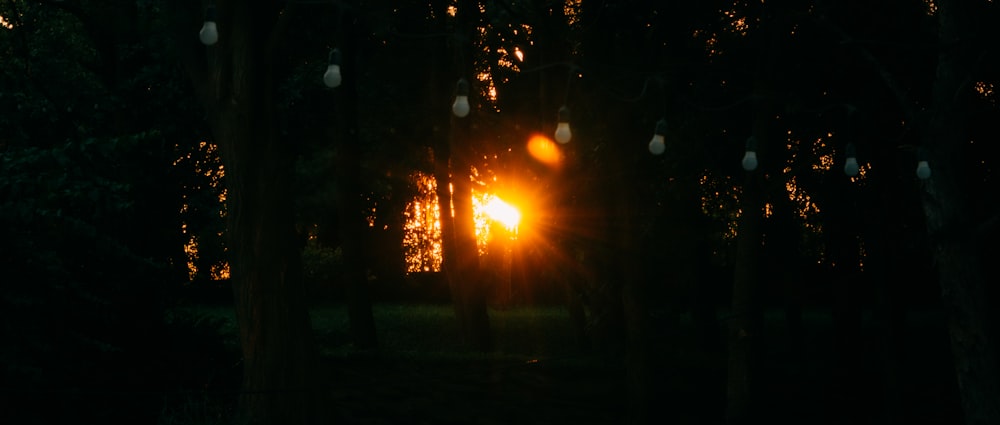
(430, 330)
(422, 374)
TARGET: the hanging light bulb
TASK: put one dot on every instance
(851, 167)
(332, 77)
(923, 170)
(750, 157)
(209, 33)
(563, 133)
(461, 106)
(923, 167)
(658, 145)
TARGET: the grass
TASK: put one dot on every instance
(422, 364)
(430, 330)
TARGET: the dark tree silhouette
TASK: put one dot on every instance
(951, 232)
(235, 81)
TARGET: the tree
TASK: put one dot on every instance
(952, 237)
(352, 226)
(462, 258)
(236, 83)
(92, 239)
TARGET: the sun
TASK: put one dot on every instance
(502, 212)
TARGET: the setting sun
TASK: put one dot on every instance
(502, 212)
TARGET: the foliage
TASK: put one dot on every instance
(87, 210)
(79, 304)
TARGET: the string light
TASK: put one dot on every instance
(563, 133)
(923, 170)
(332, 77)
(658, 145)
(923, 167)
(461, 106)
(851, 167)
(750, 157)
(209, 33)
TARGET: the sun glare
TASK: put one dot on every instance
(502, 212)
(422, 240)
(493, 218)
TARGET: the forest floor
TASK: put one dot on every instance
(483, 391)
(421, 374)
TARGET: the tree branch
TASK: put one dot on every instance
(902, 98)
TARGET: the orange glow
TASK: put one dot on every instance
(422, 240)
(493, 218)
(489, 211)
(502, 212)
(206, 163)
(571, 9)
(545, 150)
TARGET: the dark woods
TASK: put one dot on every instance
(147, 178)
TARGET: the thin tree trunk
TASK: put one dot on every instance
(952, 237)
(464, 275)
(843, 254)
(351, 221)
(746, 316)
(744, 321)
(467, 276)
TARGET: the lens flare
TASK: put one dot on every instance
(545, 150)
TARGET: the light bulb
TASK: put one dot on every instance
(851, 167)
(563, 134)
(923, 170)
(461, 106)
(332, 77)
(750, 161)
(657, 145)
(209, 33)
(750, 157)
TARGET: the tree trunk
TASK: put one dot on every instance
(464, 274)
(351, 221)
(640, 370)
(843, 255)
(275, 334)
(745, 317)
(952, 237)
(463, 271)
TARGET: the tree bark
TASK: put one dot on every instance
(236, 85)
(465, 275)
(843, 255)
(352, 223)
(744, 320)
(952, 237)
(463, 270)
